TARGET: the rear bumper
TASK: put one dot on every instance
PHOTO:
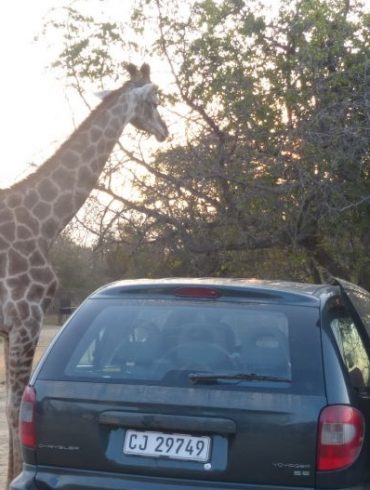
(63, 479)
(26, 480)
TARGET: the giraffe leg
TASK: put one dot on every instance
(20, 348)
(10, 441)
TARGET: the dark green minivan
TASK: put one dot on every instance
(198, 384)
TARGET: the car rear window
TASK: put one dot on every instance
(163, 342)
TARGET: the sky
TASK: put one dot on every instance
(34, 111)
(35, 114)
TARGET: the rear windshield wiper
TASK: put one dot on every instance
(214, 378)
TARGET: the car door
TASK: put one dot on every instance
(352, 334)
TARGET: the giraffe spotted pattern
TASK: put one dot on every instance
(34, 211)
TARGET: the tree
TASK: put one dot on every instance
(269, 172)
(79, 270)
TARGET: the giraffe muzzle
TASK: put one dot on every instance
(162, 133)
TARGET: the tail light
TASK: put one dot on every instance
(341, 434)
(197, 292)
(27, 425)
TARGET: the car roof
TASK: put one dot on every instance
(252, 289)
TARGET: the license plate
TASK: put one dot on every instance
(173, 446)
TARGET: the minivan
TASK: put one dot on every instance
(200, 384)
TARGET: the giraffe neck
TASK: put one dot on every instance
(48, 199)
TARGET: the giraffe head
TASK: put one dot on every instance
(145, 115)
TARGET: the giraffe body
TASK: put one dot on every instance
(34, 211)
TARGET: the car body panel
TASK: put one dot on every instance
(259, 418)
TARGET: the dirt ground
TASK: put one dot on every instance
(47, 333)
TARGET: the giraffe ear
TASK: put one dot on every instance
(145, 72)
(103, 94)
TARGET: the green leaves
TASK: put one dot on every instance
(271, 124)
(88, 45)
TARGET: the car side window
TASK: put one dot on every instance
(361, 301)
(352, 348)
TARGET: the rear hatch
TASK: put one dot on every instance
(219, 388)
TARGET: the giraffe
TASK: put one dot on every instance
(34, 211)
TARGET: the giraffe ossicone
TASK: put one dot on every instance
(34, 211)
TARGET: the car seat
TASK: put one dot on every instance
(265, 351)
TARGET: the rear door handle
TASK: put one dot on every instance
(150, 421)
